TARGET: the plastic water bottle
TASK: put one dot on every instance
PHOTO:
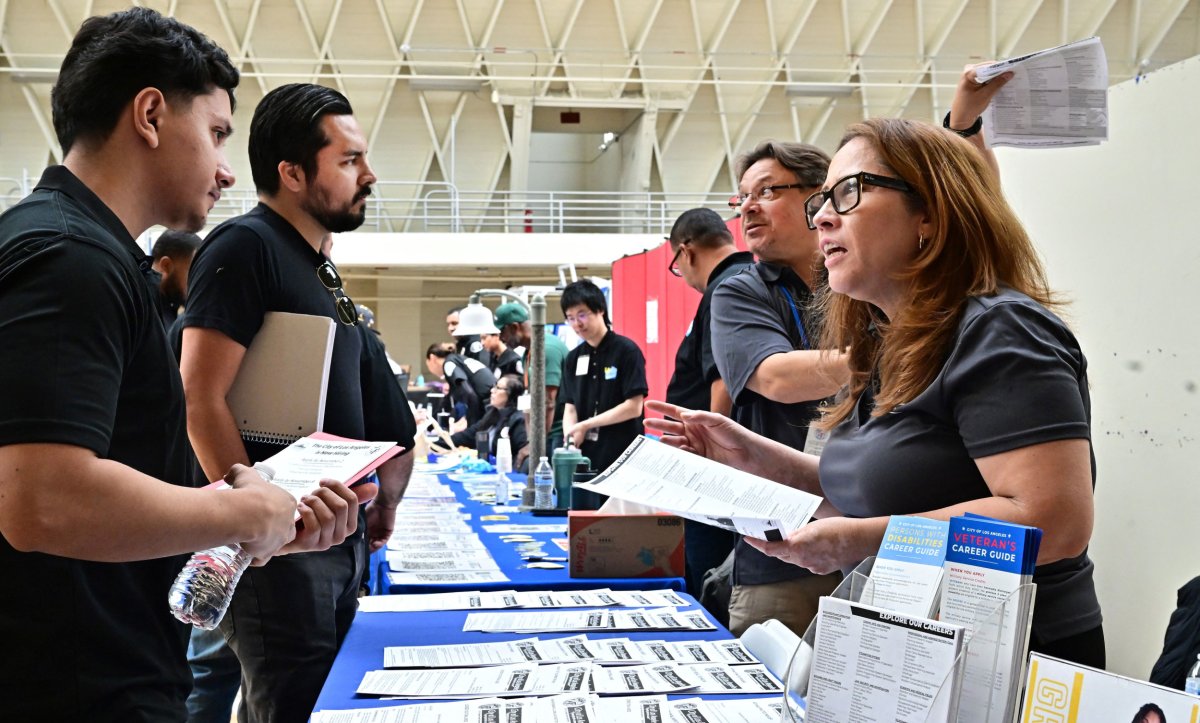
(543, 486)
(503, 467)
(204, 587)
(1192, 685)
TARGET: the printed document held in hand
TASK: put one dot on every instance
(1057, 97)
(688, 485)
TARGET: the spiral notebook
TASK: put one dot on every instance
(279, 393)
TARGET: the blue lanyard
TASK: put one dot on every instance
(796, 316)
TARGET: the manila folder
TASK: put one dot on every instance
(278, 395)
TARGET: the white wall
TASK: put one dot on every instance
(1118, 227)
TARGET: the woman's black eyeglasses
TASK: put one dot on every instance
(346, 310)
(846, 194)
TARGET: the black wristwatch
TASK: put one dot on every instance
(966, 132)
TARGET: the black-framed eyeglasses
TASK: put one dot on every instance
(846, 194)
(346, 310)
(673, 267)
(766, 193)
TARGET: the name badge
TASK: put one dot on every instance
(610, 373)
(814, 442)
(582, 364)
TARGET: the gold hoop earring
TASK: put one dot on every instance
(920, 243)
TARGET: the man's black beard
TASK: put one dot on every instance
(339, 221)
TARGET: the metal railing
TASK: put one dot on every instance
(411, 206)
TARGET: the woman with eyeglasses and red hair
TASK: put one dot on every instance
(967, 392)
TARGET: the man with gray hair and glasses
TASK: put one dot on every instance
(762, 337)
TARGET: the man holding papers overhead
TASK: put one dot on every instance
(97, 514)
(308, 157)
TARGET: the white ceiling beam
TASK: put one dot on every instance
(723, 26)
(450, 171)
(433, 135)
(869, 32)
(783, 50)
(318, 51)
(635, 51)
(541, 13)
(566, 38)
(859, 45)
(1095, 19)
(1135, 30)
(31, 99)
(325, 55)
(993, 34)
(1148, 45)
(616, 5)
(61, 17)
(931, 50)
(246, 54)
(389, 90)
(412, 22)
(1019, 26)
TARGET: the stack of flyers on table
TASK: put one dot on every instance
(699, 710)
(688, 485)
(907, 574)
(604, 651)
(535, 621)
(522, 679)
(702, 679)
(529, 599)
(502, 681)
(566, 708)
(986, 587)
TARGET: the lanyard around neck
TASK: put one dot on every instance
(796, 315)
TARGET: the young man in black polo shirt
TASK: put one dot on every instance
(762, 337)
(97, 513)
(604, 380)
(704, 256)
(308, 157)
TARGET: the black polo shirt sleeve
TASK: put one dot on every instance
(744, 331)
(1013, 380)
(632, 370)
(386, 414)
(708, 361)
(568, 390)
(226, 284)
(61, 380)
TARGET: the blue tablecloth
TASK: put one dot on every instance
(372, 632)
(510, 562)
